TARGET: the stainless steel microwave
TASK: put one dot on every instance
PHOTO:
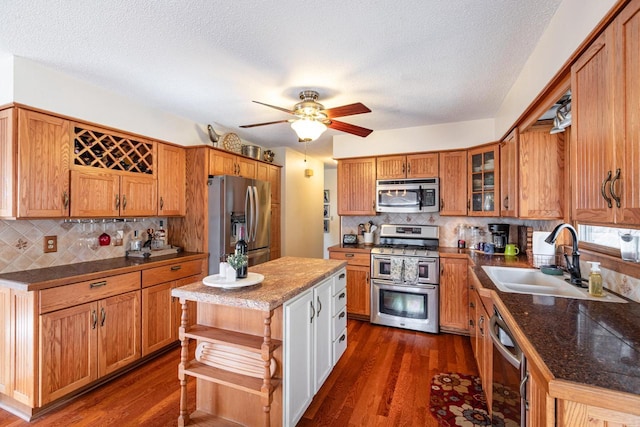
(407, 195)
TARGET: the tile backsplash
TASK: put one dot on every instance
(22, 241)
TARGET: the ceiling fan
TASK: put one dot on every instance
(312, 119)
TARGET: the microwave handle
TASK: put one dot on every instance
(420, 197)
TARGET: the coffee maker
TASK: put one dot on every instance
(499, 236)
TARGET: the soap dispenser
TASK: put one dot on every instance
(595, 279)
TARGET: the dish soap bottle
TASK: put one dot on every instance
(595, 280)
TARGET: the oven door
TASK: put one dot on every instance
(428, 269)
(408, 307)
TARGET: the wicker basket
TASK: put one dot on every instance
(231, 142)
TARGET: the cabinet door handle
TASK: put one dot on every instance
(403, 167)
(471, 322)
(480, 325)
(319, 306)
(506, 202)
(124, 201)
(348, 255)
(342, 338)
(98, 284)
(341, 276)
(472, 305)
(313, 311)
(94, 319)
(468, 204)
(65, 199)
(342, 295)
(441, 203)
(603, 190)
(368, 277)
(176, 267)
(103, 316)
(342, 315)
(612, 188)
(117, 201)
(408, 168)
(373, 205)
(161, 203)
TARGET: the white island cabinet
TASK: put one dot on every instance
(311, 348)
(263, 351)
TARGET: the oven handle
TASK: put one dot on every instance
(514, 359)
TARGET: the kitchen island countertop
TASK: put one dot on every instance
(284, 278)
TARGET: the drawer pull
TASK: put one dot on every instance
(176, 267)
(341, 315)
(341, 276)
(342, 338)
(98, 284)
(342, 295)
(348, 255)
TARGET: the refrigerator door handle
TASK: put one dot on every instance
(252, 215)
(256, 219)
(248, 208)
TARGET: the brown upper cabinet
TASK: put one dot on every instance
(453, 183)
(484, 180)
(423, 165)
(42, 183)
(172, 182)
(606, 124)
(226, 163)
(357, 186)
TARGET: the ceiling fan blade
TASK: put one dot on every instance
(349, 128)
(273, 106)
(346, 110)
(263, 124)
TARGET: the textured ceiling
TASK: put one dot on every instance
(412, 62)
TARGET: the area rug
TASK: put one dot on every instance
(458, 400)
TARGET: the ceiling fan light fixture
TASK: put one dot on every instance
(308, 129)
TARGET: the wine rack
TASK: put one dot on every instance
(102, 150)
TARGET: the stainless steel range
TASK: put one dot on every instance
(405, 270)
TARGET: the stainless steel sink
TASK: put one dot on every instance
(533, 282)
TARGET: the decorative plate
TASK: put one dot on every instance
(232, 142)
(216, 281)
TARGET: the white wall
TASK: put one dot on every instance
(6, 77)
(421, 138)
(331, 183)
(569, 27)
(41, 87)
(302, 204)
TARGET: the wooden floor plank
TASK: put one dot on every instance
(383, 379)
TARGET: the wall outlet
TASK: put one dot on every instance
(50, 244)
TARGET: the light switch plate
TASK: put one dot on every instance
(50, 244)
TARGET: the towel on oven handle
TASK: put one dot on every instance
(397, 269)
(411, 270)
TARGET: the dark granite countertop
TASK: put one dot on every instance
(586, 342)
(284, 278)
(42, 278)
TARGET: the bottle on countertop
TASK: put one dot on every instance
(595, 279)
(161, 237)
(241, 249)
(136, 242)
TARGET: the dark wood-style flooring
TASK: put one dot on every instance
(382, 380)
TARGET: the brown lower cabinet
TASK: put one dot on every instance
(454, 294)
(57, 341)
(358, 279)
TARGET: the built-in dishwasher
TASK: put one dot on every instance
(508, 402)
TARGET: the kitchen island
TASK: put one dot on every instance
(244, 358)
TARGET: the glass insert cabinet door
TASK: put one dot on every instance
(483, 181)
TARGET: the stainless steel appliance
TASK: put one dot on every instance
(408, 195)
(404, 277)
(509, 403)
(235, 203)
(499, 236)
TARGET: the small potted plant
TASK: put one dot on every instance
(239, 263)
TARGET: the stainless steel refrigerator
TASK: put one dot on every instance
(235, 203)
